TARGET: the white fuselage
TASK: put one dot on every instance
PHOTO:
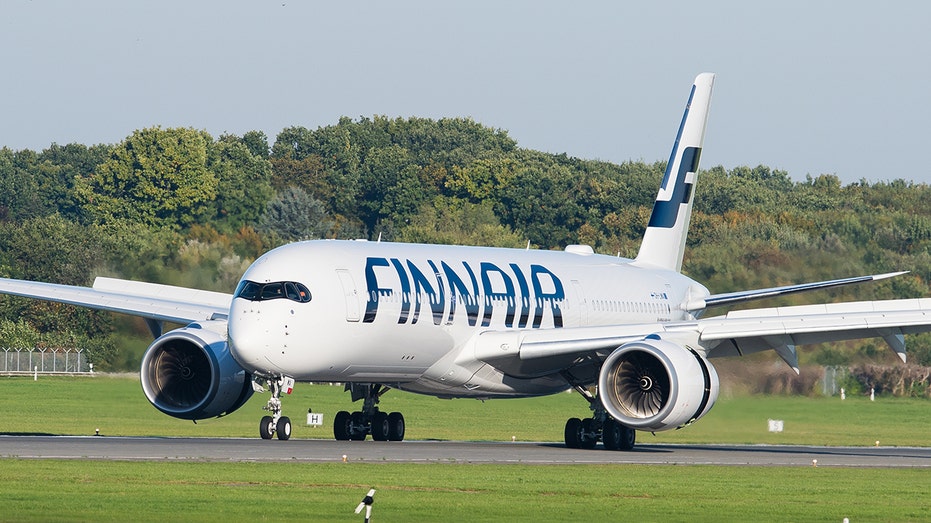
(400, 314)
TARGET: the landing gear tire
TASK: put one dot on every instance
(342, 426)
(617, 436)
(573, 433)
(370, 420)
(589, 434)
(381, 429)
(581, 433)
(283, 428)
(358, 431)
(396, 427)
(586, 433)
(612, 434)
(629, 440)
(267, 427)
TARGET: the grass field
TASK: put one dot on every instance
(117, 406)
(53, 490)
(130, 491)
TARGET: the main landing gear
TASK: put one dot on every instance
(357, 425)
(276, 424)
(585, 433)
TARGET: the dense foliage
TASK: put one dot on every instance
(179, 206)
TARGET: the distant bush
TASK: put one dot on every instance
(898, 380)
(782, 380)
(765, 377)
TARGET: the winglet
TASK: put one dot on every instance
(664, 241)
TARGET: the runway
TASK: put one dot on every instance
(450, 452)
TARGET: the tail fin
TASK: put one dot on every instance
(664, 241)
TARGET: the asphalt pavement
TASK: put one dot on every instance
(319, 451)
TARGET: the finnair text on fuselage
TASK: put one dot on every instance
(481, 288)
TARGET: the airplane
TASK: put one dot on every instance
(475, 322)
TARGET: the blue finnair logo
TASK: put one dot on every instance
(665, 212)
(525, 296)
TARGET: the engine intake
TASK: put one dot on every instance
(189, 373)
(657, 385)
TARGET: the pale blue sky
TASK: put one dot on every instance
(807, 86)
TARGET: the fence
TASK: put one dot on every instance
(44, 361)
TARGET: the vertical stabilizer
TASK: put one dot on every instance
(664, 241)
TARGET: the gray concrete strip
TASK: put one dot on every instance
(452, 452)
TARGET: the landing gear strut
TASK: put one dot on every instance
(359, 424)
(276, 424)
(585, 433)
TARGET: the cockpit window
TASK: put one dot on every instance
(248, 290)
(291, 290)
(272, 290)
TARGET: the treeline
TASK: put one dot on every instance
(182, 207)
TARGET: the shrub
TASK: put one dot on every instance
(898, 380)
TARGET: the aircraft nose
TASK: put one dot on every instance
(247, 344)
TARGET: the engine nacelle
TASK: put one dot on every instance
(657, 385)
(189, 373)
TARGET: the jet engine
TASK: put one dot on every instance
(189, 373)
(657, 385)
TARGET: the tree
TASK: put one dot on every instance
(243, 183)
(482, 179)
(57, 169)
(49, 248)
(328, 159)
(458, 222)
(295, 215)
(19, 196)
(18, 334)
(392, 189)
(158, 177)
(541, 202)
(257, 143)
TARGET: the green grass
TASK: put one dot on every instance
(117, 406)
(131, 491)
(55, 490)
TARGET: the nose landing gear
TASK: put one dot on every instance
(276, 424)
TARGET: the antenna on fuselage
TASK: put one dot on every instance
(528, 245)
(379, 238)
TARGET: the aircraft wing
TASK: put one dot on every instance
(732, 298)
(782, 328)
(148, 300)
(737, 333)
